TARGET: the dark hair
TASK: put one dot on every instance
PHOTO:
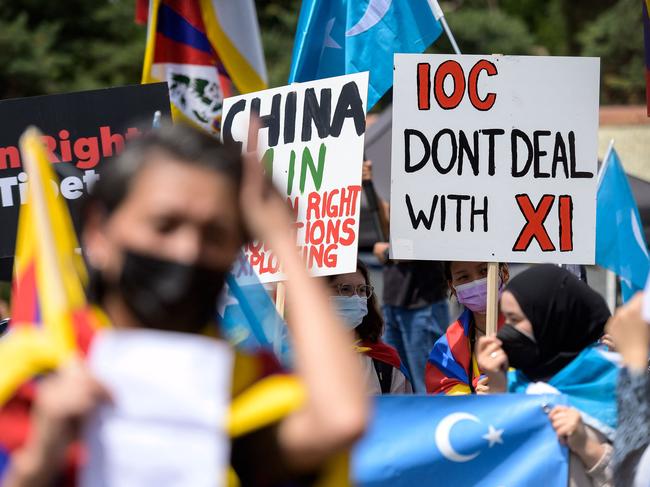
(181, 143)
(447, 269)
(372, 326)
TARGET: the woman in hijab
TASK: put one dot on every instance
(553, 323)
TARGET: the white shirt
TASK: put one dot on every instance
(399, 383)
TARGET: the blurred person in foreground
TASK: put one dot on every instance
(165, 225)
(631, 333)
(353, 298)
(553, 323)
(452, 368)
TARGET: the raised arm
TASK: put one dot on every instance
(335, 412)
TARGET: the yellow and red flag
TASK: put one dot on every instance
(51, 320)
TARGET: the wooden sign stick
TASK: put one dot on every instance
(280, 296)
(492, 299)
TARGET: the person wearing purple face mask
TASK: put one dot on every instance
(452, 368)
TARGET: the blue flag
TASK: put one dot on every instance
(337, 37)
(248, 317)
(620, 244)
(589, 384)
(504, 439)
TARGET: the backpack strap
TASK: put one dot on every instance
(384, 374)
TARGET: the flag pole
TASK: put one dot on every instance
(492, 311)
(493, 267)
(280, 297)
(611, 290)
(610, 148)
(156, 122)
(440, 16)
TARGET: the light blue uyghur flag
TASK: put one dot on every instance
(589, 383)
(248, 317)
(337, 37)
(620, 244)
(504, 439)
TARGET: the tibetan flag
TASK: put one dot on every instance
(204, 50)
(451, 368)
(50, 320)
(336, 37)
(620, 244)
(646, 36)
(141, 11)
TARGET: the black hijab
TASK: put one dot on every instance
(566, 314)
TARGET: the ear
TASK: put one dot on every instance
(452, 289)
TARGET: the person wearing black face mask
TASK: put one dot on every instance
(553, 323)
(167, 295)
(165, 224)
(520, 347)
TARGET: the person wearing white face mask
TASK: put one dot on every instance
(452, 367)
(354, 300)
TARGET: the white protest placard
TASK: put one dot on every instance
(311, 143)
(494, 158)
(166, 422)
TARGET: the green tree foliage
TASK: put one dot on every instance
(556, 23)
(278, 20)
(48, 47)
(492, 31)
(616, 36)
(29, 63)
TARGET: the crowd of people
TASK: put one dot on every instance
(165, 225)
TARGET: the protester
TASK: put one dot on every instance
(553, 324)
(354, 300)
(452, 368)
(167, 222)
(631, 445)
(415, 309)
(414, 301)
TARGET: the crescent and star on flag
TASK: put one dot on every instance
(443, 433)
(376, 11)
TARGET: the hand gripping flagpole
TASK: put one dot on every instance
(440, 17)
